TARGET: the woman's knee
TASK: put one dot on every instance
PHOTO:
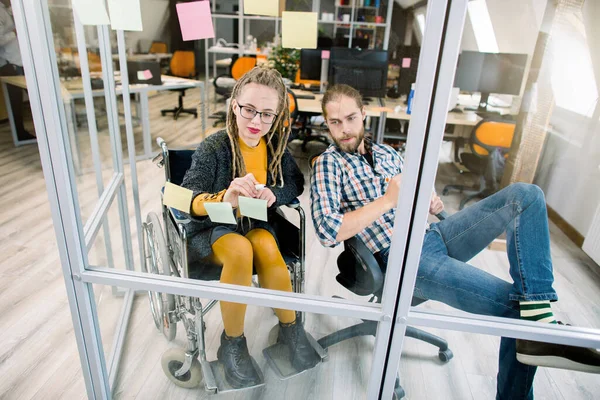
(261, 238)
(234, 249)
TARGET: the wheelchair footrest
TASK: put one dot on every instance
(278, 357)
(220, 382)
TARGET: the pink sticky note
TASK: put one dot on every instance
(195, 20)
(406, 63)
(325, 54)
(147, 74)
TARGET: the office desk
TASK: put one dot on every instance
(73, 89)
(145, 57)
(463, 121)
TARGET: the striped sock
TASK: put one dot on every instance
(539, 311)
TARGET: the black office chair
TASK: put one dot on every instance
(361, 273)
(490, 143)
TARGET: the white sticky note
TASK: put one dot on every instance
(177, 197)
(140, 76)
(91, 12)
(221, 213)
(253, 208)
(262, 7)
(125, 15)
(299, 30)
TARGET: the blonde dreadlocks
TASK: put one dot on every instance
(280, 128)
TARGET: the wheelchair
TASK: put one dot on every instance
(166, 254)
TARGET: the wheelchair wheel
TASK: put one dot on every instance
(172, 360)
(162, 305)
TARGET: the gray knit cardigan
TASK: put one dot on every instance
(211, 172)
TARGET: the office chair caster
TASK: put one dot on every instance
(399, 392)
(162, 305)
(446, 355)
(163, 113)
(172, 361)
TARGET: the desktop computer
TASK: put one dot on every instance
(364, 70)
(500, 73)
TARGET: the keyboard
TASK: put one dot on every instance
(305, 97)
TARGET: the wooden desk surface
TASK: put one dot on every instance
(374, 110)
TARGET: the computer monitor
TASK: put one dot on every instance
(310, 64)
(364, 70)
(500, 73)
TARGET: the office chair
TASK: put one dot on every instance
(183, 65)
(224, 83)
(362, 273)
(157, 48)
(490, 143)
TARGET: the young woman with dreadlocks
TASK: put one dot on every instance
(228, 164)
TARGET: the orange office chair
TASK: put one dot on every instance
(182, 65)
(490, 143)
(224, 83)
(158, 48)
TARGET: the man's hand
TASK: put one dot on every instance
(267, 194)
(436, 205)
(241, 186)
(393, 191)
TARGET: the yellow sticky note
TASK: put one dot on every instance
(262, 7)
(299, 30)
(177, 197)
(253, 208)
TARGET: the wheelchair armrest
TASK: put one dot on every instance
(363, 280)
(293, 204)
(178, 216)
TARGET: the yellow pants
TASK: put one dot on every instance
(238, 254)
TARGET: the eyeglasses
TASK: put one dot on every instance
(250, 113)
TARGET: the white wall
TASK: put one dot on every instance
(569, 169)
(154, 20)
(516, 24)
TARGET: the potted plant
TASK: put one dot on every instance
(285, 60)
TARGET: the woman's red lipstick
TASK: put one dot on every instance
(254, 130)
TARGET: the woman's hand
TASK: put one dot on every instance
(267, 194)
(241, 186)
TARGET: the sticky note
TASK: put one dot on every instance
(125, 15)
(221, 213)
(299, 30)
(325, 54)
(195, 20)
(91, 12)
(253, 208)
(140, 76)
(177, 197)
(147, 74)
(406, 63)
(262, 7)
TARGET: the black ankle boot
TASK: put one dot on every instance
(237, 363)
(303, 354)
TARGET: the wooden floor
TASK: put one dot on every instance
(38, 354)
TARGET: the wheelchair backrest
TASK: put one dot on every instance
(179, 162)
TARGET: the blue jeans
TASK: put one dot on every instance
(444, 275)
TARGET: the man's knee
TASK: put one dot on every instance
(527, 194)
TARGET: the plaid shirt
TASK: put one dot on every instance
(343, 182)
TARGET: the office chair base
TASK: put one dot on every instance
(220, 384)
(278, 355)
(177, 111)
(470, 193)
(221, 118)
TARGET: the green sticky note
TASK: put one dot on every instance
(221, 213)
(253, 208)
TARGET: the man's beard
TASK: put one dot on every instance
(352, 146)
